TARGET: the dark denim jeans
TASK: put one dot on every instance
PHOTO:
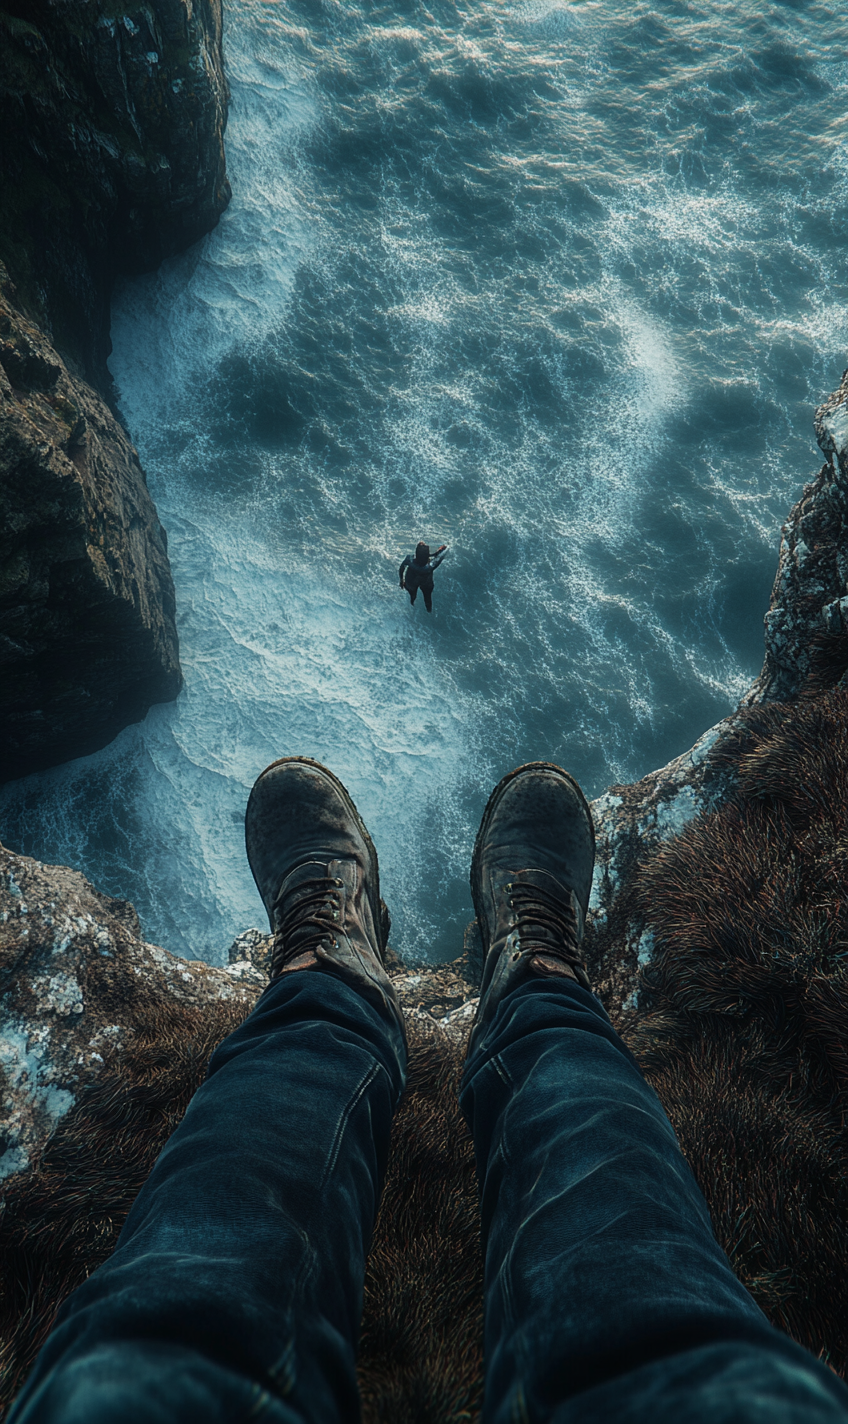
(235, 1291)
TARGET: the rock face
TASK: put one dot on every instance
(77, 982)
(112, 157)
(87, 634)
(807, 621)
(806, 653)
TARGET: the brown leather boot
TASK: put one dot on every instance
(531, 876)
(315, 867)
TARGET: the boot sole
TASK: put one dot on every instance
(476, 888)
(374, 867)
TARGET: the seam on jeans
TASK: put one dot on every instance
(287, 1360)
(344, 1118)
(504, 1075)
(258, 1406)
(284, 1370)
(505, 1281)
(519, 1412)
(501, 1069)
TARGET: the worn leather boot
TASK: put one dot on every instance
(531, 876)
(315, 867)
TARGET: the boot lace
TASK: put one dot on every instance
(545, 923)
(308, 916)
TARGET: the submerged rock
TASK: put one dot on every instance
(88, 639)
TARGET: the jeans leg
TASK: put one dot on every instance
(607, 1295)
(235, 1290)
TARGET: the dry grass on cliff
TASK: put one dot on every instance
(64, 1219)
(421, 1353)
(746, 1038)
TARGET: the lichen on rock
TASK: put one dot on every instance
(76, 982)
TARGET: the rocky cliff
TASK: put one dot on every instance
(806, 656)
(112, 159)
(87, 633)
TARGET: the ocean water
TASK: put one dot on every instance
(557, 284)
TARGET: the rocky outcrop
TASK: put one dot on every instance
(77, 985)
(807, 620)
(806, 653)
(112, 159)
(88, 639)
(112, 154)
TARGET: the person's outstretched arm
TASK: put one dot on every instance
(438, 556)
(407, 561)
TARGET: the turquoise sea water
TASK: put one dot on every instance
(556, 284)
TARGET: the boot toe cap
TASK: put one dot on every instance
(537, 818)
(299, 811)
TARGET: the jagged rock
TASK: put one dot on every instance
(77, 983)
(88, 639)
(112, 159)
(441, 996)
(804, 627)
(112, 154)
(806, 652)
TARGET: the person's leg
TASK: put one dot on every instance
(413, 593)
(428, 599)
(607, 1296)
(236, 1287)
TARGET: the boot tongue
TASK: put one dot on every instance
(311, 870)
(307, 911)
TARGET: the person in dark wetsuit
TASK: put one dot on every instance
(418, 572)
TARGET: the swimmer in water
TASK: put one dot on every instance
(418, 572)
